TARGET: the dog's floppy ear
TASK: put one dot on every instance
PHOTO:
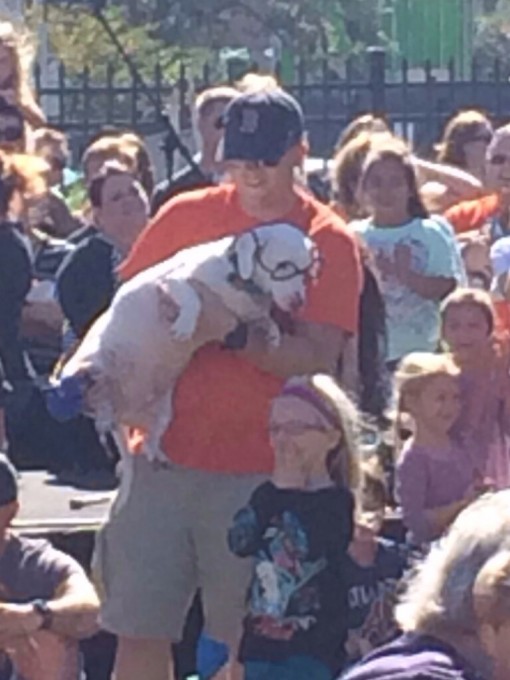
(245, 247)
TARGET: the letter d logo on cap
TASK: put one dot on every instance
(249, 121)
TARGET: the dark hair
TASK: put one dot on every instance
(96, 186)
(460, 130)
(8, 185)
(18, 132)
(470, 297)
(395, 150)
(372, 342)
(347, 171)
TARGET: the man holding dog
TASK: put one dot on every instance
(169, 537)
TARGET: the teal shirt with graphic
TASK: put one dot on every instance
(412, 321)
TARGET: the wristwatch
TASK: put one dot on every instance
(43, 609)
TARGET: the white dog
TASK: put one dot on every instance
(135, 352)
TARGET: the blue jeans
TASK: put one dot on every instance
(293, 668)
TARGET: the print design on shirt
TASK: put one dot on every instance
(283, 601)
(379, 625)
(401, 302)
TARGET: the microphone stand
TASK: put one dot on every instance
(172, 142)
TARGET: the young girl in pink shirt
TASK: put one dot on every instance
(483, 426)
(435, 479)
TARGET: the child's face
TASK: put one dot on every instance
(465, 329)
(386, 192)
(295, 423)
(437, 407)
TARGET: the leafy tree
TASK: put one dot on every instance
(166, 30)
(80, 42)
(492, 40)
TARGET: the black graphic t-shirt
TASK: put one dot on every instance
(297, 602)
(371, 593)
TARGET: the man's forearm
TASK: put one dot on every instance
(74, 620)
(460, 181)
(311, 349)
(75, 611)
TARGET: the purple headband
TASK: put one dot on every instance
(310, 397)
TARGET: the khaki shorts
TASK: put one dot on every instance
(168, 539)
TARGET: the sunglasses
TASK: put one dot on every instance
(287, 270)
(238, 165)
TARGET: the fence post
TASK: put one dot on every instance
(377, 78)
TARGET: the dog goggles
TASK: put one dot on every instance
(286, 270)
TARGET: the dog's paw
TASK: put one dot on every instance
(154, 454)
(183, 328)
(274, 336)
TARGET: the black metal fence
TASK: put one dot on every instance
(416, 101)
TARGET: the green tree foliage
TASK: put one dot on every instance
(80, 42)
(492, 40)
(165, 31)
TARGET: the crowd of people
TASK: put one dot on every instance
(388, 399)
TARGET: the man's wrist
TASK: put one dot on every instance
(44, 613)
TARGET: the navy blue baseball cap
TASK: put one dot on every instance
(8, 481)
(261, 126)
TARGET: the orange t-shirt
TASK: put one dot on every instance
(472, 215)
(221, 403)
(502, 309)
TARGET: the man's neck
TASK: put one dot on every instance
(273, 207)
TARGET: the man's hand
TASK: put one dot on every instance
(311, 348)
(18, 620)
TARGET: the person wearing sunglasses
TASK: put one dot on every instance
(465, 140)
(218, 441)
(488, 216)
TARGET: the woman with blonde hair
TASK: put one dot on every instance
(435, 478)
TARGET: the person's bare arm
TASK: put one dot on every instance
(74, 610)
(311, 348)
(459, 182)
(430, 287)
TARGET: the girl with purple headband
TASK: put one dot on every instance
(297, 527)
